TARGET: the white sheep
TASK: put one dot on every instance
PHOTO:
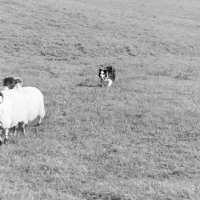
(12, 110)
(8, 84)
(29, 104)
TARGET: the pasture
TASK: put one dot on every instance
(138, 139)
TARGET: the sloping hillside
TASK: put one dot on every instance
(138, 139)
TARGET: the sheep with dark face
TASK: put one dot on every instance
(10, 83)
(20, 105)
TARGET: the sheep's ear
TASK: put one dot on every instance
(18, 80)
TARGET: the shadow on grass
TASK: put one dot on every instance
(111, 196)
(88, 85)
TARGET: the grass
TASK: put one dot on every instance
(138, 139)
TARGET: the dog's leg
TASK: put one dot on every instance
(109, 82)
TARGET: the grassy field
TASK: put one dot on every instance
(139, 139)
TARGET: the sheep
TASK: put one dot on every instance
(10, 83)
(31, 108)
(12, 110)
(34, 97)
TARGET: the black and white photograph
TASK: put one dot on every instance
(99, 99)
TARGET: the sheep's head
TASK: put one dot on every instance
(10, 83)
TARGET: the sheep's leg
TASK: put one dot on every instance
(23, 128)
(6, 135)
(40, 121)
(1, 139)
(41, 115)
(15, 130)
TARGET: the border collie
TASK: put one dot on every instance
(107, 75)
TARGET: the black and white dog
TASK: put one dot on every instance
(107, 75)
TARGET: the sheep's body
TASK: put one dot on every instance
(34, 103)
(20, 105)
(12, 109)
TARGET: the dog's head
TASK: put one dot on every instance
(106, 73)
(102, 74)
